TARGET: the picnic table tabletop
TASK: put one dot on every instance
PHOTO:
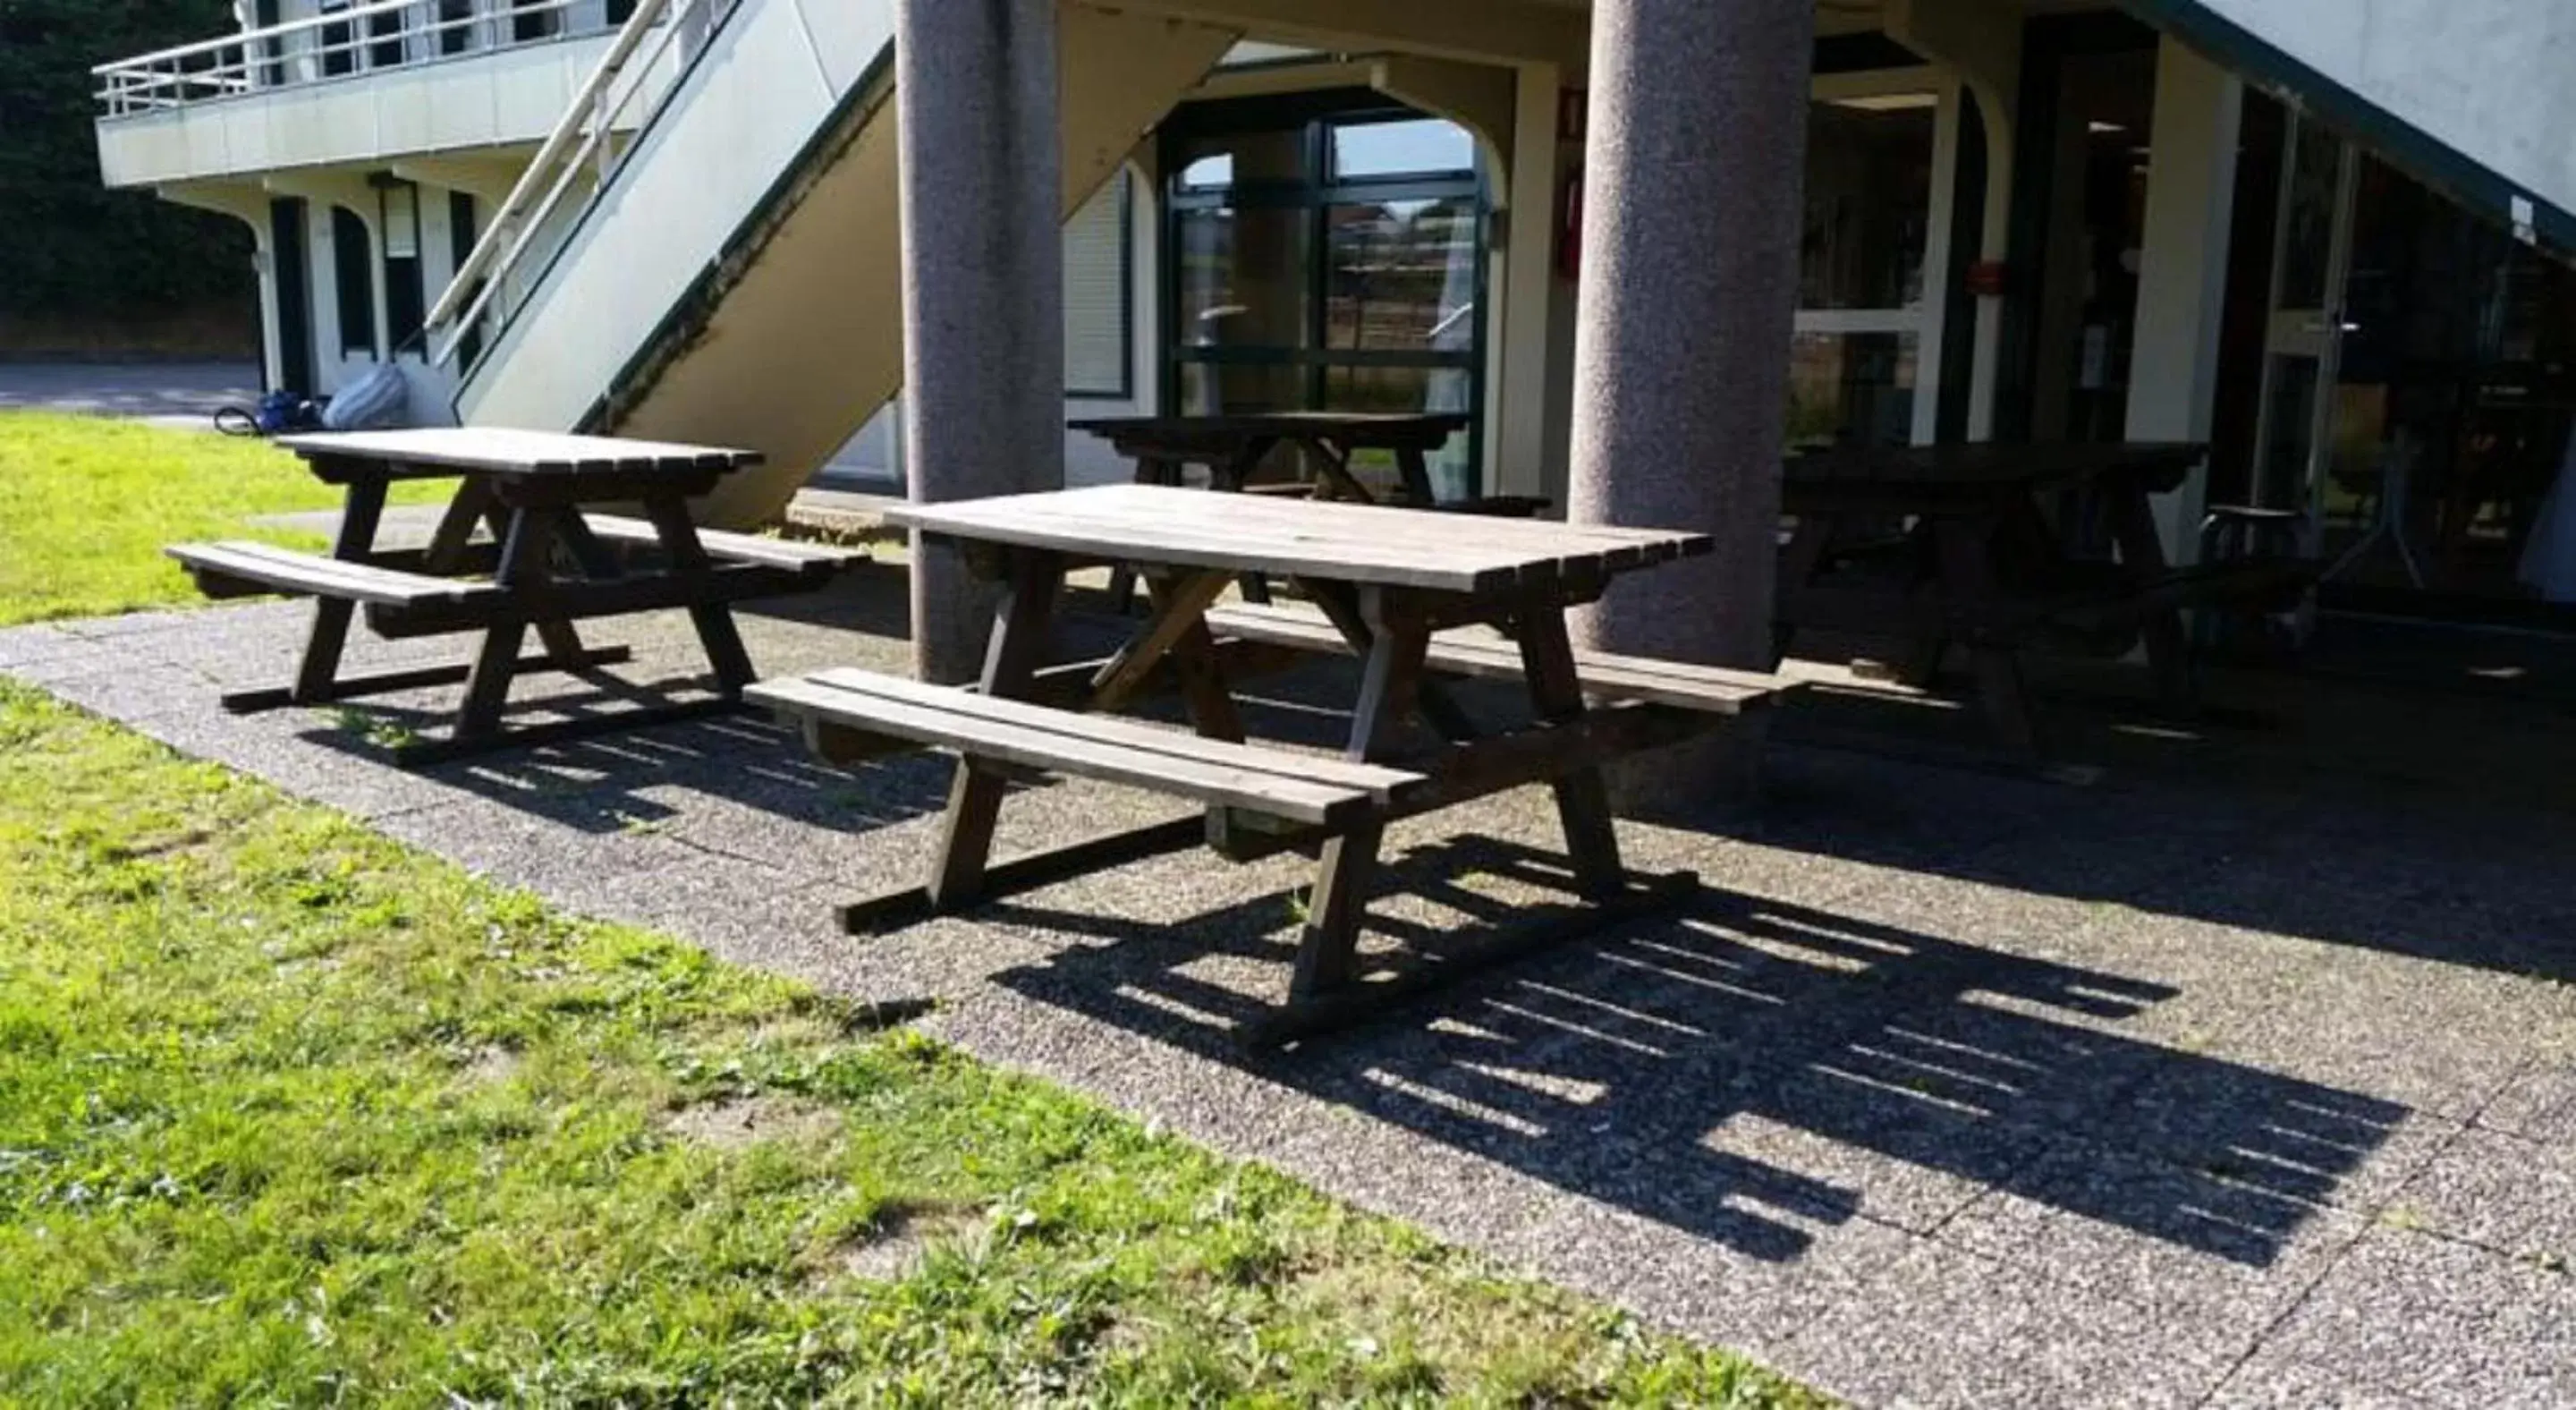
(1357, 428)
(1994, 465)
(509, 451)
(1361, 544)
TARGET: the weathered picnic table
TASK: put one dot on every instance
(548, 565)
(1938, 545)
(1233, 448)
(1402, 589)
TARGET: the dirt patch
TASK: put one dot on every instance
(737, 1122)
(894, 1248)
(489, 1065)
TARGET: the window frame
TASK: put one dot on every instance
(1315, 115)
(1924, 320)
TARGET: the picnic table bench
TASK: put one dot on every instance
(546, 565)
(1943, 545)
(1398, 588)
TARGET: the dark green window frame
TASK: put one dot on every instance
(1316, 116)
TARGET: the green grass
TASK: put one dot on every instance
(87, 503)
(291, 1114)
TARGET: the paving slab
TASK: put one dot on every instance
(1949, 1089)
(2411, 1318)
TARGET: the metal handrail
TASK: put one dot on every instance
(235, 63)
(583, 135)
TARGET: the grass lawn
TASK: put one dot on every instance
(86, 504)
(292, 1114)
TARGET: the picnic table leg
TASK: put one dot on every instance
(320, 668)
(455, 533)
(1582, 795)
(561, 641)
(1968, 587)
(1416, 469)
(1431, 696)
(487, 689)
(2142, 551)
(1798, 564)
(1019, 644)
(714, 620)
(1328, 952)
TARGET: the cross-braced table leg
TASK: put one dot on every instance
(1328, 953)
(1018, 646)
(1582, 797)
(320, 669)
(713, 620)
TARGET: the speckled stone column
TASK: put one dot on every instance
(1695, 163)
(983, 285)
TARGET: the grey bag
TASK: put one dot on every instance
(375, 402)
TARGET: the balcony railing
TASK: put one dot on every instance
(353, 39)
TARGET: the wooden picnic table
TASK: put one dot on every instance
(547, 566)
(1233, 449)
(1951, 543)
(1402, 589)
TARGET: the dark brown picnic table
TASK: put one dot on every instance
(1952, 544)
(1401, 589)
(1233, 447)
(547, 566)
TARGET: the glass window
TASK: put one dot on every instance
(354, 281)
(1327, 256)
(1222, 160)
(1422, 146)
(1869, 201)
(1403, 277)
(1222, 389)
(1851, 389)
(1096, 294)
(1242, 276)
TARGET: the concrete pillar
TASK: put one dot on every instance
(2182, 272)
(983, 284)
(1698, 137)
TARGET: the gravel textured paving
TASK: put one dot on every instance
(2208, 1083)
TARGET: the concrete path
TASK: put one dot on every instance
(2252, 1088)
(184, 394)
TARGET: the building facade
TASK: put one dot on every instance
(2327, 237)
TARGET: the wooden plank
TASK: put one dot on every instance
(1378, 782)
(502, 449)
(1065, 746)
(748, 548)
(1681, 684)
(328, 577)
(1177, 610)
(1300, 537)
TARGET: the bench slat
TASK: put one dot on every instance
(1705, 688)
(1267, 781)
(322, 576)
(719, 543)
(1376, 780)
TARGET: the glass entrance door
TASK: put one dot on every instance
(2293, 436)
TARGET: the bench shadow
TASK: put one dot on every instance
(641, 778)
(1742, 1070)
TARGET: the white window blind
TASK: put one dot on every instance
(1096, 302)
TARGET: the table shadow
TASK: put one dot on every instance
(1744, 1069)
